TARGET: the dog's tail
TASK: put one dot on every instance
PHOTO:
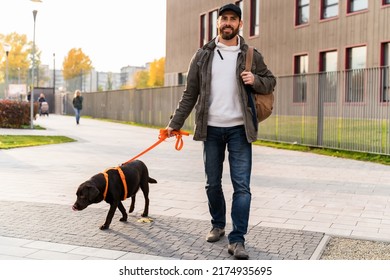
(152, 181)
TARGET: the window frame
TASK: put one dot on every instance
(241, 5)
(324, 6)
(203, 29)
(212, 26)
(299, 80)
(350, 4)
(328, 79)
(298, 13)
(385, 72)
(355, 79)
(254, 21)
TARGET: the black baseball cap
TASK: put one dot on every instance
(230, 7)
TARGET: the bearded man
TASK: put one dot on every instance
(215, 86)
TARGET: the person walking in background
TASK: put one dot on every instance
(41, 99)
(216, 88)
(77, 105)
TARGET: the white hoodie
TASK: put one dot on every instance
(224, 105)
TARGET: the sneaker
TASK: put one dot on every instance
(238, 251)
(215, 234)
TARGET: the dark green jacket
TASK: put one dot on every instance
(78, 102)
(197, 91)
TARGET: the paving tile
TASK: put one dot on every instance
(96, 252)
(49, 246)
(16, 251)
(50, 255)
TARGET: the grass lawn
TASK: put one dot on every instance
(17, 141)
(382, 159)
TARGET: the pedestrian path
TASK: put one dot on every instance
(300, 198)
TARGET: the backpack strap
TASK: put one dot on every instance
(248, 67)
(249, 58)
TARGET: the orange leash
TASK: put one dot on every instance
(164, 135)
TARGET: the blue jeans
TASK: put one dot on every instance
(77, 113)
(240, 162)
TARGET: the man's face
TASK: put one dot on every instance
(228, 25)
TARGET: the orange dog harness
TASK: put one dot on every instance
(123, 181)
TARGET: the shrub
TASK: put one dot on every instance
(15, 114)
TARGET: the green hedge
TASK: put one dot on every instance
(15, 114)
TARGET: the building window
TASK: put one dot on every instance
(386, 2)
(357, 5)
(329, 8)
(181, 78)
(301, 65)
(213, 31)
(302, 12)
(203, 38)
(255, 18)
(328, 77)
(385, 75)
(328, 61)
(241, 5)
(355, 78)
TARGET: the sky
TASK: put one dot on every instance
(113, 33)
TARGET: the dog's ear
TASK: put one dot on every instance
(93, 192)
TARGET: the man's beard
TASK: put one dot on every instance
(228, 36)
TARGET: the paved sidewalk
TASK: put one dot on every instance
(298, 199)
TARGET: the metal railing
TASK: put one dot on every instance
(346, 110)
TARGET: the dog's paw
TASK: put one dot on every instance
(123, 219)
(103, 227)
(144, 214)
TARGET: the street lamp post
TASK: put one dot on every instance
(32, 76)
(7, 49)
(33, 70)
(54, 73)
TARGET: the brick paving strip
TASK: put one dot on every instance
(166, 236)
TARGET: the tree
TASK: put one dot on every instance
(18, 58)
(141, 79)
(156, 73)
(152, 78)
(75, 65)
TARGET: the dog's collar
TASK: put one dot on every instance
(121, 174)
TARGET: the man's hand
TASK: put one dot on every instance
(248, 78)
(169, 131)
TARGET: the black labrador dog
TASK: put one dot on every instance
(114, 185)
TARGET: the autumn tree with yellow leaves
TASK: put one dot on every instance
(156, 73)
(75, 65)
(152, 78)
(19, 57)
